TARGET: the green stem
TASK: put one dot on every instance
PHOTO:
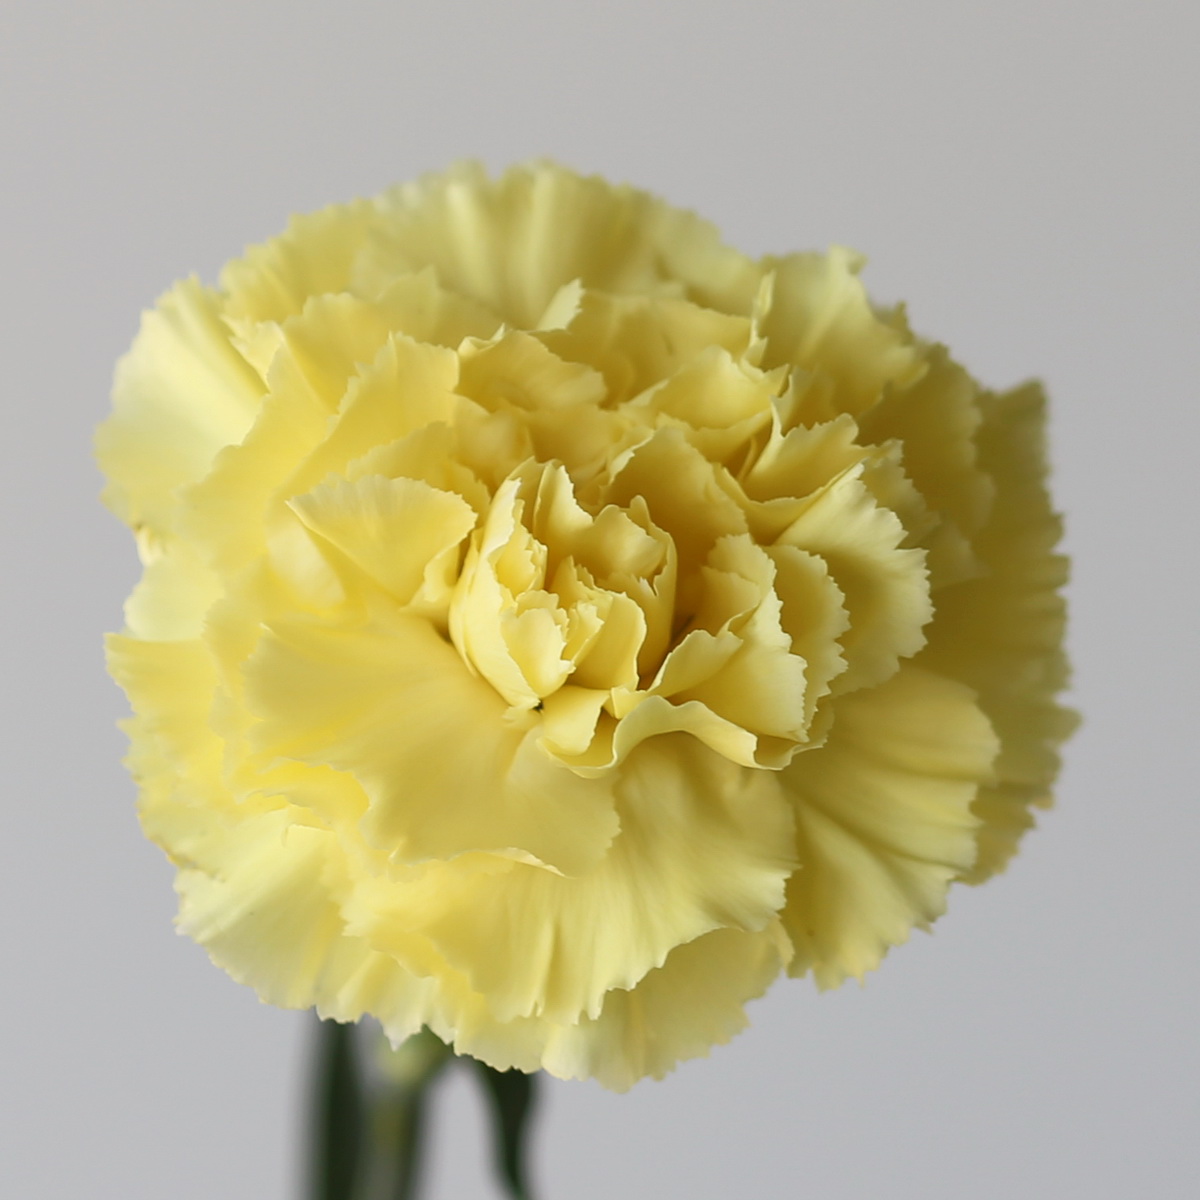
(397, 1119)
(369, 1114)
(337, 1116)
(512, 1094)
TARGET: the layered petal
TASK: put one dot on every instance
(555, 624)
(680, 1010)
(393, 705)
(703, 845)
(885, 820)
(180, 395)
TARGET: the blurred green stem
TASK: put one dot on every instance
(368, 1114)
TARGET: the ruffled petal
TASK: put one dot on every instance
(680, 1010)
(1002, 633)
(396, 531)
(513, 242)
(884, 820)
(703, 845)
(821, 319)
(445, 770)
(314, 256)
(176, 590)
(180, 395)
(884, 584)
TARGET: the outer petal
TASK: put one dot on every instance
(884, 819)
(680, 1010)
(314, 256)
(170, 687)
(445, 770)
(1002, 633)
(174, 594)
(703, 845)
(267, 914)
(180, 395)
(821, 319)
(513, 242)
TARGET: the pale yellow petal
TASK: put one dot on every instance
(703, 845)
(813, 614)
(821, 319)
(1002, 633)
(395, 706)
(401, 387)
(313, 257)
(884, 584)
(180, 395)
(681, 1010)
(884, 819)
(684, 495)
(170, 687)
(226, 514)
(324, 345)
(427, 312)
(715, 391)
(513, 242)
(176, 590)
(519, 370)
(391, 529)
(636, 342)
(936, 420)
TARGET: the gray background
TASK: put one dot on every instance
(1024, 174)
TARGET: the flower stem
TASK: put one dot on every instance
(337, 1119)
(369, 1114)
(512, 1094)
(399, 1087)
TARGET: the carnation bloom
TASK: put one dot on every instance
(555, 624)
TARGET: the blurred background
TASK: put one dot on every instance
(1024, 174)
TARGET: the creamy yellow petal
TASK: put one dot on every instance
(813, 615)
(796, 463)
(515, 241)
(569, 719)
(391, 529)
(519, 370)
(268, 915)
(680, 1010)
(315, 256)
(170, 687)
(654, 716)
(684, 496)
(703, 845)
(401, 387)
(1002, 633)
(638, 341)
(179, 396)
(885, 585)
(176, 590)
(884, 819)
(428, 454)
(268, 910)
(427, 312)
(821, 319)
(325, 343)
(936, 419)
(715, 391)
(394, 705)
(225, 515)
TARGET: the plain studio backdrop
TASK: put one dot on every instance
(1024, 174)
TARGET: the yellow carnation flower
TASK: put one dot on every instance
(555, 624)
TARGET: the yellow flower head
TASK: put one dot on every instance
(555, 624)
